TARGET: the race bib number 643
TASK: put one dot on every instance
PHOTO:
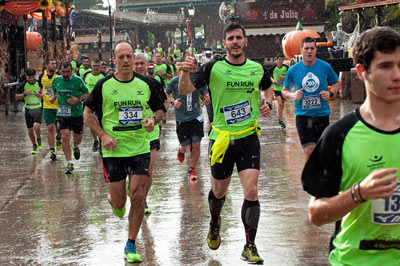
(237, 113)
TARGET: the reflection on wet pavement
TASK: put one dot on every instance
(52, 219)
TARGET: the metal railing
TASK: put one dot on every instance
(6, 95)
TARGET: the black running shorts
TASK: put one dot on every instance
(245, 152)
(72, 123)
(155, 144)
(310, 128)
(189, 132)
(118, 168)
(33, 116)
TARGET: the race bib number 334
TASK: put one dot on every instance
(130, 115)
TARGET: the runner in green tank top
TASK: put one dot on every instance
(91, 78)
(278, 72)
(29, 91)
(234, 83)
(128, 106)
(352, 174)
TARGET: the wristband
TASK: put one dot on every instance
(155, 120)
(331, 94)
(362, 200)
(353, 194)
(25, 94)
(184, 70)
(269, 105)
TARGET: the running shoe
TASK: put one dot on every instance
(250, 254)
(192, 175)
(130, 253)
(58, 144)
(181, 156)
(95, 146)
(70, 168)
(282, 124)
(118, 212)
(147, 210)
(77, 153)
(40, 145)
(53, 155)
(213, 237)
(34, 149)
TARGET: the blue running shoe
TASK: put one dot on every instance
(130, 253)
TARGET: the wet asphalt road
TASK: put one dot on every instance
(48, 218)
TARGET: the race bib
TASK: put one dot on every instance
(386, 211)
(237, 113)
(200, 118)
(189, 99)
(47, 90)
(130, 115)
(64, 110)
(311, 102)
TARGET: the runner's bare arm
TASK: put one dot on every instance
(185, 85)
(91, 120)
(327, 210)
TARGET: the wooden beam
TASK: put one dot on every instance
(369, 5)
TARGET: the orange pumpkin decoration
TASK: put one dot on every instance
(291, 42)
(33, 41)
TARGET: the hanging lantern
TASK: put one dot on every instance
(44, 4)
(33, 41)
(291, 42)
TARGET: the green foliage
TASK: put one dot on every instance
(390, 16)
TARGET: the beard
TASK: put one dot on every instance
(235, 55)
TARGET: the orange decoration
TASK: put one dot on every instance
(33, 41)
(330, 43)
(291, 42)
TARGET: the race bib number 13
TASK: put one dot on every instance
(130, 115)
(386, 211)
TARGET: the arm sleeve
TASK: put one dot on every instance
(95, 99)
(332, 77)
(168, 69)
(266, 80)
(171, 85)
(202, 76)
(157, 96)
(40, 80)
(288, 83)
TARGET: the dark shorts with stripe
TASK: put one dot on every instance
(310, 128)
(33, 116)
(118, 168)
(245, 152)
(72, 123)
(155, 144)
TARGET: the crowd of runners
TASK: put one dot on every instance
(350, 167)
